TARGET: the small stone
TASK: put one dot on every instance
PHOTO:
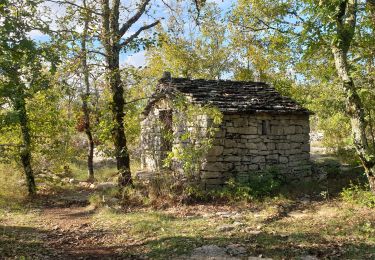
(66, 180)
(209, 251)
(308, 257)
(253, 232)
(236, 249)
(84, 184)
(106, 186)
(224, 214)
(238, 224)
(225, 228)
(113, 200)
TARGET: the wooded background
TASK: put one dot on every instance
(65, 88)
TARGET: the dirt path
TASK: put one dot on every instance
(70, 232)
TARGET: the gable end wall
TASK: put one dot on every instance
(249, 143)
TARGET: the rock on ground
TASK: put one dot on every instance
(211, 252)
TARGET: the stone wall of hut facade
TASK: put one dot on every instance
(250, 143)
(153, 148)
(245, 144)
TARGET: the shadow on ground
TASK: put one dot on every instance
(265, 244)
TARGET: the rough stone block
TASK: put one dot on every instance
(290, 130)
(272, 157)
(258, 159)
(213, 181)
(271, 146)
(252, 146)
(214, 166)
(283, 159)
(216, 150)
(239, 122)
(299, 138)
(232, 158)
(264, 152)
(261, 147)
(242, 168)
(211, 175)
(249, 137)
(229, 143)
(253, 167)
(229, 151)
(277, 130)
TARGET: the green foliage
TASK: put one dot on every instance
(12, 191)
(196, 127)
(264, 183)
(194, 52)
(259, 186)
(359, 195)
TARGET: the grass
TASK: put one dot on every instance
(12, 190)
(104, 171)
(279, 227)
(319, 228)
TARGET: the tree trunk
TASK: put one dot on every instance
(354, 108)
(110, 39)
(85, 101)
(118, 131)
(25, 154)
(371, 128)
(346, 22)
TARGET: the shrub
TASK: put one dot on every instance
(359, 195)
(264, 183)
(258, 186)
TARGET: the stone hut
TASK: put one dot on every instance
(260, 129)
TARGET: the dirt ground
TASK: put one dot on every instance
(65, 226)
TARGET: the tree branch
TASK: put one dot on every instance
(135, 35)
(97, 52)
(65, 2)
(125, 27)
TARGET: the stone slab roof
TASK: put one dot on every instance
(229, 96)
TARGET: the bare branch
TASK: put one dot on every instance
(135, 35)
(97, 52)
(136, 100)
(125, 27)
(65, 2)
(170, 7)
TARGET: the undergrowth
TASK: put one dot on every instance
(12, 188)
(359, 195)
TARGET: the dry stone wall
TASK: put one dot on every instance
(154, 151)
(244, 145)
(249, 143)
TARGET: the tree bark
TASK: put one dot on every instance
(112, 42)
(85, 100)
(345, 23)
(118, 131)
(25, 153)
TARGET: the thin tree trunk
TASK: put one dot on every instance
(110, 40)
(113, 42)
(371, 126)
(25, 155)
(85, 100)
(346, 22)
